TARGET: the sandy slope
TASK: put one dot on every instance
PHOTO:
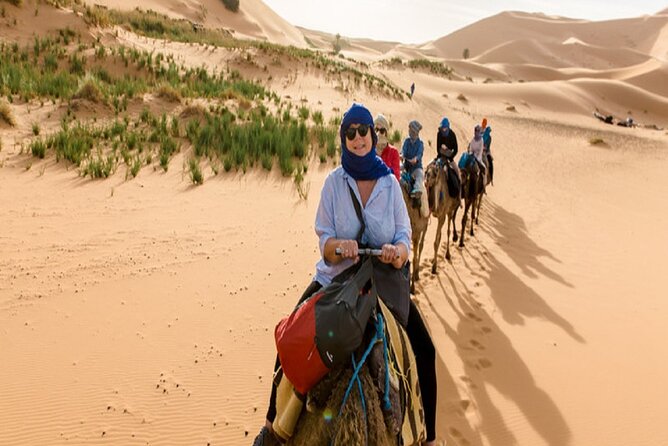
(561, 55)
(640, 34)
(254, 19)
(142, 311)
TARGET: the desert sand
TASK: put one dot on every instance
(142, 311)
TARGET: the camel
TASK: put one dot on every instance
(442, 206)
(320, 419)
(472, 187)
(419, 224)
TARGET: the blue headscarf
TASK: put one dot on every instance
(369, 166)
(445, 126)
(485, 135)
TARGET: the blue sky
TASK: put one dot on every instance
(418, 21)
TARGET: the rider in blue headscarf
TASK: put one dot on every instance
(366, 167)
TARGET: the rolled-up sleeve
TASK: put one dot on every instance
(402, 223)
(324, 218)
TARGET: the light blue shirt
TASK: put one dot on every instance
(385, 216)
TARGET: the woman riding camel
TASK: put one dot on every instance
(477, 149)
(387, 227)
(386, 151)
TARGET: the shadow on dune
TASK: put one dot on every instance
(510, 233)
(489, 361)
(452, 422)
(514, 298)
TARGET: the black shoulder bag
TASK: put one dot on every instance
(392, 284)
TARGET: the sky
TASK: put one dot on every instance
(419, 21)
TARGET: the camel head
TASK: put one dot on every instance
(433, 183)
(431, 174)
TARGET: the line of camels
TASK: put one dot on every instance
(443, 206)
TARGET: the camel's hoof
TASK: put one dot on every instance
(461, 245)
(455, 238)
(433, 269)
(447, 256)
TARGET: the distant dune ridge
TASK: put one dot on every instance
(140, 286)
(253, 20)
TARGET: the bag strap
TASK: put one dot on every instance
(358, 211)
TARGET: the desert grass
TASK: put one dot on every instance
(237, 131)
(438, 68)
(43, 70)
(195, 171)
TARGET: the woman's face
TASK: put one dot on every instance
(361, 143)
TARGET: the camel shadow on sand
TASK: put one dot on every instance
(490, 362)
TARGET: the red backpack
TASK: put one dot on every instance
(327, 327)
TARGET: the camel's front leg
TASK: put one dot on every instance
(437, 243)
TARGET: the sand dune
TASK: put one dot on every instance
(141, 310)
(567, 54)
(640, 34)
(253, 20)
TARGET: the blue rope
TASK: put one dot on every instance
(380, 331)
(386, 396)
(359, 386)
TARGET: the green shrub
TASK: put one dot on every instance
(435, 67)
(303, 113)
(317, 117)
(135, 167)
(168, 93)
(195, 172)
(90, 90)
(38, 148)
(77, 65)
(100, 166)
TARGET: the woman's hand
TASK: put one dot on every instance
(348, 249)
(337, 250)
(389, 253)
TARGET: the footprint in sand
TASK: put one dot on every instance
(485, 363)
(477, 344)
(486, 330)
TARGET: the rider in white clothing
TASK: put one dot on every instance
(477, 148)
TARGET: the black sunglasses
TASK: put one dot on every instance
(382, 131)
(363, 129)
